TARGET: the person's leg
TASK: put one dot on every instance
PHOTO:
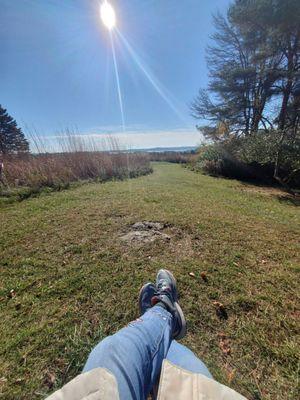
(134, 354)
(186, 359)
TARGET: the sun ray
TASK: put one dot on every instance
(117, 80)
(153, 80)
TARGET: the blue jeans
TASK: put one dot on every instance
(135, 354)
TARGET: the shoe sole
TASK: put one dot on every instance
(183, 329)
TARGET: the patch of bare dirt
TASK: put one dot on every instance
(180, 241)
(145, 232)
(148, 225)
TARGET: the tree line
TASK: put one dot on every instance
(252, 103)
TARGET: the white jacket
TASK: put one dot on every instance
(175, 384)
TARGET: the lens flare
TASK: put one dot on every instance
(162, 91)
(108, 15)
(118, 81)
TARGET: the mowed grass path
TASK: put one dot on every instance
(67, 280)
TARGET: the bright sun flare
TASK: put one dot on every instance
(108, 15)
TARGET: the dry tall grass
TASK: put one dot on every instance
(75, 159)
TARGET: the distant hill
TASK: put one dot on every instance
(165, 149)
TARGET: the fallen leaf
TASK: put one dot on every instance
(225, 348)
(204, 276)
(3, 380)
(224, 344)
(230, 376)
(220, 310)
(49, 379)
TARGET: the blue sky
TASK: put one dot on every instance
(57, 70)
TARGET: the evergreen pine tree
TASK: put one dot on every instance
(12, 139)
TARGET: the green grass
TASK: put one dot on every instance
(74, 282)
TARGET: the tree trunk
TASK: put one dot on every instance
(291, 52)
(284, 104)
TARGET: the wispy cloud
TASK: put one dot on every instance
(137, 138)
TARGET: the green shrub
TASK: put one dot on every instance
(263, 148)
(254, 158)
(217, 161)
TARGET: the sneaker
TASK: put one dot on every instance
(167, 294)
(145, 296)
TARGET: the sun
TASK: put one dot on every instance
(108, 15)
